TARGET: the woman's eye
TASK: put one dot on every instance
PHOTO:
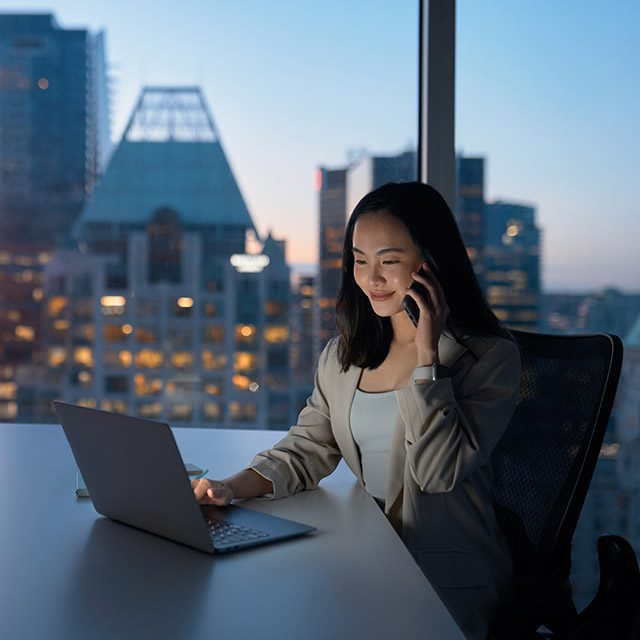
(358, 261)
(390, 261)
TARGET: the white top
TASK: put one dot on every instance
(373, 417)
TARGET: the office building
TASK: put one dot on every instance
(162, 313)
(332, 192)
(608, 310)
(54, 141)
(511, 272)
(303, 357)
(469, 209)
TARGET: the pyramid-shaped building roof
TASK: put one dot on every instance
(170, 157)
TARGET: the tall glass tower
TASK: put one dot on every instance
(54, 142)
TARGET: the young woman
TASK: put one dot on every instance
(415, 411)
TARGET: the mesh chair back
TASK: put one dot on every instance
(544, 463)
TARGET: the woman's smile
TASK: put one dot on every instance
(380, 296)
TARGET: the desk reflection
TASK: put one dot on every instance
(131, 584)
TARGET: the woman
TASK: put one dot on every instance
(414, 410)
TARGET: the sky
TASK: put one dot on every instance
(548, 92)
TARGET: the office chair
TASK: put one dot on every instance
(542, 470)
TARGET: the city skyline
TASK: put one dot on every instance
(534, 97)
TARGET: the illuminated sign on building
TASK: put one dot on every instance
(246, 263)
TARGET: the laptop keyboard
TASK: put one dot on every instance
(224, 533)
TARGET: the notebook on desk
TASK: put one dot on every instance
(135, 475)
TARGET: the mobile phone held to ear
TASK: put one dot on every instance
(410, 305)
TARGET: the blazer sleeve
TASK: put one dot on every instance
(453, 424)
(309, 451)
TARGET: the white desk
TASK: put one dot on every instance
(67, 573)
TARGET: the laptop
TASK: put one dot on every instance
(135, 475)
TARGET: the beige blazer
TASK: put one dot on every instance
(439, 482)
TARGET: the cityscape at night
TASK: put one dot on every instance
(173, 206)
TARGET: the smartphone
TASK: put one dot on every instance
(410, 305)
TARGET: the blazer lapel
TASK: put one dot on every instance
(449, 350)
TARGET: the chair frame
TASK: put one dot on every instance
(551, 603)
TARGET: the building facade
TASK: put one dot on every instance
(469, 209)
(161, 313)
(332, 207)
(511, 271)
(54, 142)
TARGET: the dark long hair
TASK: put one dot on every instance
(364, 337)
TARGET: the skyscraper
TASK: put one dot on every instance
(331, 186)
(469, 209)
(512, 264)
(161, 313)
(54, 140)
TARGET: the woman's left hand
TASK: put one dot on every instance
(433, 315)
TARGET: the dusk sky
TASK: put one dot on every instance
(548, 92)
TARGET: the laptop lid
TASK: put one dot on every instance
(135, 474)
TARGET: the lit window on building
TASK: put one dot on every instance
(276, 334)
(146, 335)
(213, 388)
(113, 305)
(213, 361)
(115, 406)
(25, 333)
(56, 356)
(242, 411)
(56, 305)
(61, 325)
(245, 333)
(181, 387)
(151, 410)
(114, 333)
(8, 410)
(92, 403)
(240, 381)
(117, 359)
(273, 309)
(245, 362)
(83, 356)
(147, 386)
(84, 332)
(180, 411)
(182, 359)
(149, 359)
(8, 390)
(213, 410)
(183, 306)
(213, 333)
(83, 378)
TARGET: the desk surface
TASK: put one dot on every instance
(66, 572)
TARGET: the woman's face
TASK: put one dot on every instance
(384, 256)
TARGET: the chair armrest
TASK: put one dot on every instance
(614, 612)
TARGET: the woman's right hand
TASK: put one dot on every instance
(212, 492)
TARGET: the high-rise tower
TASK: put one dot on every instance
(54, 141)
